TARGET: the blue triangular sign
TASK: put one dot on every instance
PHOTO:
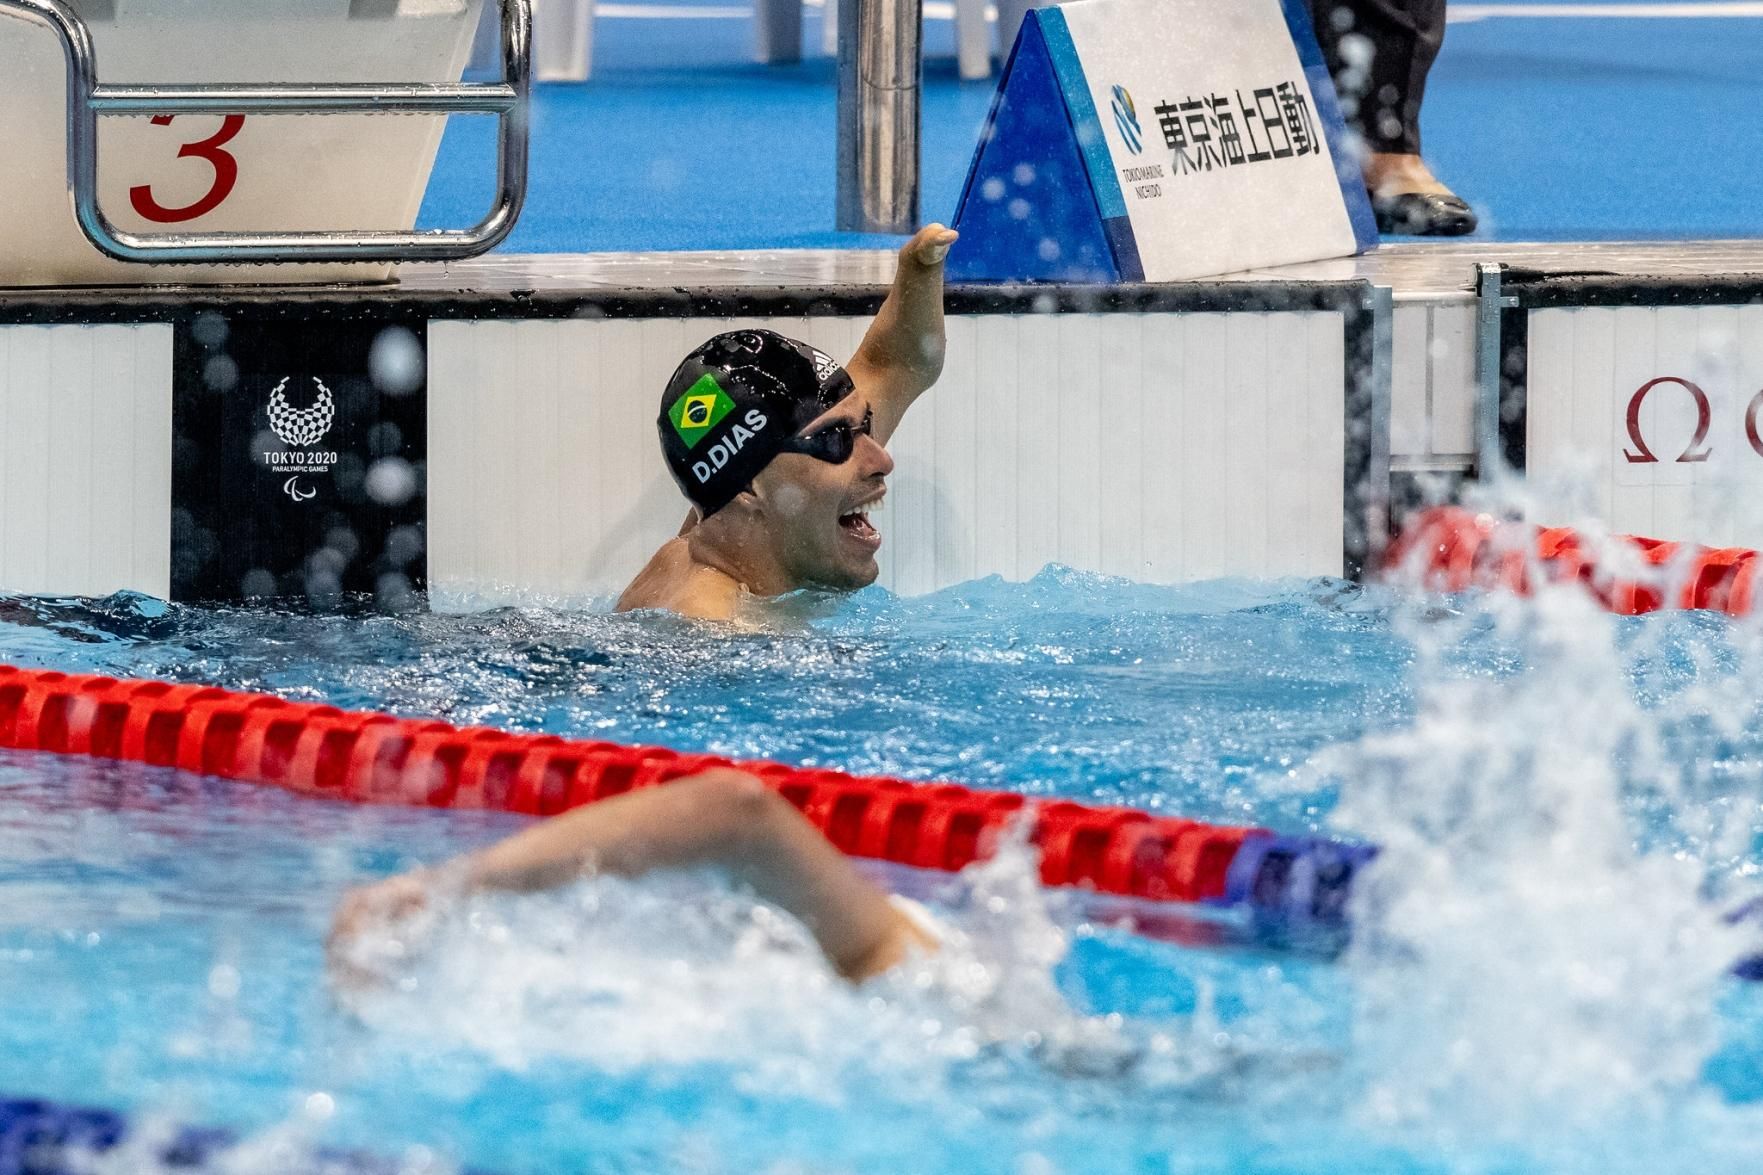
(1044, 198)
(1029, 211)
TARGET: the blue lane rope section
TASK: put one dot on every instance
(39, 1137)
(1296, 890)
(1295, 880)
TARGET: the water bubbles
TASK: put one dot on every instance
(421, 1160)
(1357, 51)
(395, 362)
(264, 445)
(344, 542)
(193, 545)
(209, 329)
(393, 592)
(223, 981)
(350, 475)
(385, 439)
(324, 587)
(327, 561)
(258, 583)
(403, 545)
(220, 373)
(390, 481)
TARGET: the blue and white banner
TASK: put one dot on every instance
(1157, 140)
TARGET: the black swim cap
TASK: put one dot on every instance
(733, 403)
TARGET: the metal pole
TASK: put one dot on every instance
(879, 76)
(1489, 457)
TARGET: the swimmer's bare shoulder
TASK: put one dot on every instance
(676, 582)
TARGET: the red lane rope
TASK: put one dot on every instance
(1452, 549)
(376, 758)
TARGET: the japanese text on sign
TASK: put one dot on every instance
(1218, 131)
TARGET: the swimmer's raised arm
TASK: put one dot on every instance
(723, 818)
(902, 353)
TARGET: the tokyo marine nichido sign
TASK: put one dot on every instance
(1195, 139)
(1214, 132)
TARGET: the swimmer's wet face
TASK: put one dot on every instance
(781, 463)
(775, 445)
(817, 507)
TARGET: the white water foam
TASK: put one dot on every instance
(675, 970)
(1523, 971)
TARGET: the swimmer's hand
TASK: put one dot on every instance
(902, 353)
(929, 246)
(371, 929)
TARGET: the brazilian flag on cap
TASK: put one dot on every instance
(699, 409)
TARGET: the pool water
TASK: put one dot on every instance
(1567, 803)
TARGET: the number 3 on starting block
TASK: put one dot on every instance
(223, 173)
(213, 150)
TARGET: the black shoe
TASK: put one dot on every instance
(1423, 214)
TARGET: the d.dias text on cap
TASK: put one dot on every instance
(724, 451)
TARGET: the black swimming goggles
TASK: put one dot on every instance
(834, 443)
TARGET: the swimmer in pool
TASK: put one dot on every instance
(783, 452)
(723, 818)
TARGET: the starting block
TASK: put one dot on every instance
(213, 173)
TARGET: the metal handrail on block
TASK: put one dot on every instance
(88, 100)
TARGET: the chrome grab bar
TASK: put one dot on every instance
(87, 100)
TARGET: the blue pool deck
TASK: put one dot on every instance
(1559, 121)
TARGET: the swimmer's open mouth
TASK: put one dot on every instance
(856, 522)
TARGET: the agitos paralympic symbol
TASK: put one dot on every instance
(1698, 450)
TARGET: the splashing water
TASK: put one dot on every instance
(578, 974)
(1537, 956)
(1566, 803)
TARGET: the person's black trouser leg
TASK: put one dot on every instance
(1379, 53)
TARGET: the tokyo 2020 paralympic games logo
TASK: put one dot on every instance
(1126, 120)
(301, 427)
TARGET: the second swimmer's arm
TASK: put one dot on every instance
(902, 353)
(723, 818)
